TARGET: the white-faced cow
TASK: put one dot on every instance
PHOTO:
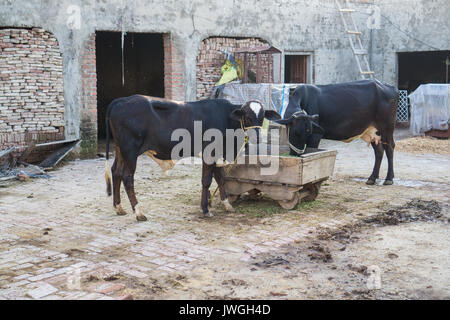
(363, 109)
(141, 124)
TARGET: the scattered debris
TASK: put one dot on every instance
(111, 277)
(27, 152)
(320, 252)
(6, 151)
(234, 282)
(415, 210)
(23, 173)
(13, 168)
(6, 159)
(23, 176)
(271, 262)
(128, 296)
(360, 269)
(74, 251)
(102, 275)
(56, 156)
(278, 294)
(392, 256)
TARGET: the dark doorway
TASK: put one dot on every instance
(416, 68)
(295, 68)
(143, 57)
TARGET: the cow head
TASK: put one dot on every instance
(251, 116)
(300, 126)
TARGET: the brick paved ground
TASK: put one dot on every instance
(51, 233)
(60, 238)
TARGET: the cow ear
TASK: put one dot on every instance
(284, 121)
(272, 115)
(237, 114)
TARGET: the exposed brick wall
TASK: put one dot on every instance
(173, 70)
(88, 116)
(210, 59)
(31, 87)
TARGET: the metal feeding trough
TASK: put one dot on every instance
(297, 178)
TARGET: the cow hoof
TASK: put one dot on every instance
(228, 206)
(208, 214)
(119, 210)
(141, 218)
(230, 210)
(370, 182)
(388, 182)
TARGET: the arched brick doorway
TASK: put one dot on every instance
(211, 57)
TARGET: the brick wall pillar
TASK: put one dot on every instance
(173, 70)
(88, 116)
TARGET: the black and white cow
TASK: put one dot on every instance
(363, 109)
(141, 124)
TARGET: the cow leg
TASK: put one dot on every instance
(128, 181)
(207, 175)
(379, 151)
(389, 148)
(387, 137)
(117, 172)
(219, 176)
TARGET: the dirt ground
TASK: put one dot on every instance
(424, 145)
(353, 242)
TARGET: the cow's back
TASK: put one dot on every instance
(140, 123)
(347, 109)
(148, 123)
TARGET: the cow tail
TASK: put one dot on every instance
(108, 175)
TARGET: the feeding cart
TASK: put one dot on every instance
(297, 178)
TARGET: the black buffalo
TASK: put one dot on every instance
(141, 124)
(361, 109)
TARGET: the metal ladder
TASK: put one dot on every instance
(359, 52)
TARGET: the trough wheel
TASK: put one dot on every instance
(289, 204)
(313, 190)
(232, 198)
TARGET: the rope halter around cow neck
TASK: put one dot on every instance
(245, 129)
(296, 150)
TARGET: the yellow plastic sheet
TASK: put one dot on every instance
(229, 73)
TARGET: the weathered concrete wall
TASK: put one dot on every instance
(301, 25)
